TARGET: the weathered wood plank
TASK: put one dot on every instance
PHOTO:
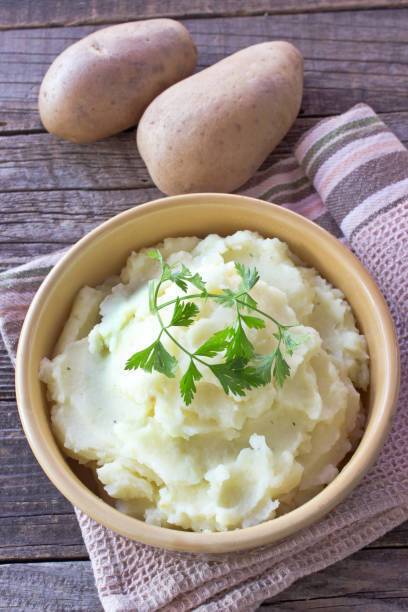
(350, 57)
(369, 580)
(26, 14)
(48, 587)
(39, 222)
(27, 214)
(25, 161)
(368, 602)
(397, 538)
(36, 521)
(373, 580)
(25, 489)
(41, 537)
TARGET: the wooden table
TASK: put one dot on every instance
(52, 192)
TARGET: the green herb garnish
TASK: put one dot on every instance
(242, 368)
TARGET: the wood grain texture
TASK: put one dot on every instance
(48, 587)
(350, 57)
(26, 14)
(44, 537)
(369, 581)
(38, 222)
(368, 602)
(36, 521)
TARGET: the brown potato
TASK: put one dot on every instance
(212, 131)
(102, 84)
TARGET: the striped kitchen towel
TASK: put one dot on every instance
(349, 174)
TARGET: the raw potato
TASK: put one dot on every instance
(212, 131)
(102, 84)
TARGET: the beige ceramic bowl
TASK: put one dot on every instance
(103, 252)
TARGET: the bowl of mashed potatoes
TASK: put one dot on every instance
(207, 373)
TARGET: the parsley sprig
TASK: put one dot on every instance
(242, 368)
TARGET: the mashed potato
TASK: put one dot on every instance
(222, 462)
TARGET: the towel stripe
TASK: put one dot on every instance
(293, 197)
(311, 207)
(378, 203)
(351, 157)
(339, 144)
(289, 187)
(360, 125)
(385, 173)
(260, 181)
(306, 142)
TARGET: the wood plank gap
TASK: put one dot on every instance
(99, 189)
(241, 9)
(23, 132)
(62, 513)
(43, 560)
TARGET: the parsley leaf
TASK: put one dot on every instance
(280, 368)
(180, 277)
(154, 357)
(262, 367)
(164, 362)
(168, 275)
(195, 279)
(237, 377)
(217, 343)
(155, 254)
(187, 382)
(253, 322)
(249, 276)
(247, 301)
(180, 282)
(239, 346)
(260, 370)
(152, 295)
(230, 375)
(184, 314)
(226, 298)
(292, 342)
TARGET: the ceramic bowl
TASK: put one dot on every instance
(103, 252)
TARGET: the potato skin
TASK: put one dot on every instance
(212, 131)
(102, 84)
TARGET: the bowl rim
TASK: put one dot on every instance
(269, 531)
